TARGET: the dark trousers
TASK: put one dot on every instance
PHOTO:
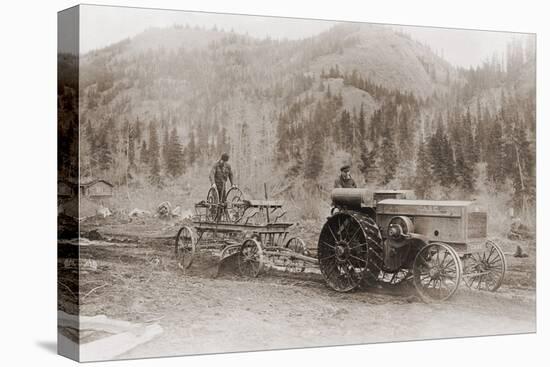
(221, 191)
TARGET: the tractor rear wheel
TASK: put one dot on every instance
(349, 250)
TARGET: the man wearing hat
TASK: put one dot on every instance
(344, 179)
(219, 174)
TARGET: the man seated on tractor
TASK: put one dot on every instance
(344, 179)
(219, 174)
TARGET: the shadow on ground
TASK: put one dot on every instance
(49, 346)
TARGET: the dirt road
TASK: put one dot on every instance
(202, 314)
(232, 315)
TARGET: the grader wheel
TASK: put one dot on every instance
(349, 250)
(485, 270)
(213, 201)
(186, 241)
(297, 245)
(437, 272)
(250, 258)
(233, 197)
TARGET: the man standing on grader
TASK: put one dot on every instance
(220, 173)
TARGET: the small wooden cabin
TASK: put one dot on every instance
(66, 189)
(96, 189)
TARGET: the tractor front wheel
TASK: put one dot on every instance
(437, 272)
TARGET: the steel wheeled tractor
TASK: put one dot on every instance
(388, 237)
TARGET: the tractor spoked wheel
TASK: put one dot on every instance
(349, 250)
(437, 272)
(251, 258)
(185, 247)
(485, 270)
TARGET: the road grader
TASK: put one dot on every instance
(252, 230)
(389, 237)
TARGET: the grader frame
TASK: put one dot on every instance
(252, 230)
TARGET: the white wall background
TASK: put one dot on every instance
(28, 172)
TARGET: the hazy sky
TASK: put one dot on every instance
(462, 47)
(103, 25)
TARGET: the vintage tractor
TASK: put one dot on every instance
(387, 236)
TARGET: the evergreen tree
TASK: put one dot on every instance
(132, 153)
(406, 148)
(448, 177)
(144, 153)
(388, 157)
(154, 146)
(137, 134)
(376, 125)
(314, 154)
(361, 123)
(131, 145)
(154, 173)
(164, 150)
(191, 150)
(496, 155)
(321, 119)
(104, 150)
(423, 175)
(89, 131)
(435, 147)
(344, 131)
(297, 166)
(153, 153)
(523, 175)
(202, 140)
(113, 136)
(464, 170)
(244, 163)
(478, 137)
(470, 151)
(92, 144)
(339, 100)
(175, 158)
(368, 162)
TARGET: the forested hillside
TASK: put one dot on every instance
(158, 109)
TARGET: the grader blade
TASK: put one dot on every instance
(228, 260)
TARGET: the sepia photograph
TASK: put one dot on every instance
(232, 183)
